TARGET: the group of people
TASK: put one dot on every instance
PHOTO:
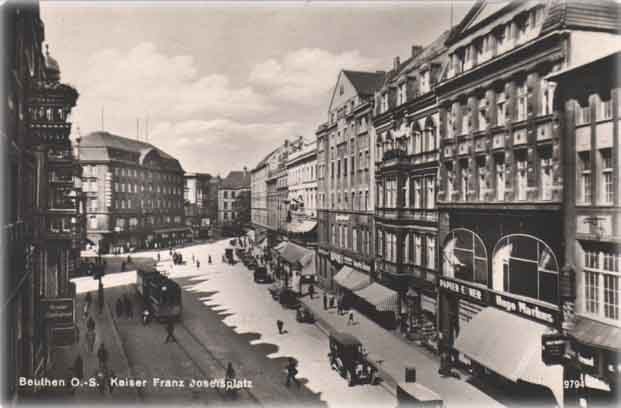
(124, 307)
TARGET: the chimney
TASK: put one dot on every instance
(245, 170)
(416, 50)
(395, 63)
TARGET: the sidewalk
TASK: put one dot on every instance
(394, 355)
(64, 357)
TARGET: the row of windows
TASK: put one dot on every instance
(135, 204)
(135, 188)
(348, 165)
(416, 192)
(301, 174)
(417, 249)
(603, 111)
(405, 91)
(354, 239)
(359, 201)
(145, 174)
(504, 37)
(603, 178)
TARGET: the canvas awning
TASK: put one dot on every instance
(510, 346)
(308, 264)
(351, 279)
(380, 297)
(292, 253)
(597, 334)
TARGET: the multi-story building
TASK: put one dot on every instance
(277, 194)
(134, 194)
(42, 222)
(501, 178)
(302, 192)
(407, 142)
(235, 183)
(199, 215)
(346, 181)
(258, 192)
(589, 100)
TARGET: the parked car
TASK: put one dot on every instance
(347, 356)
(275, 291)
(289, 298)
(261, 275)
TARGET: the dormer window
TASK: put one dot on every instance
(402, 93)
(425, 83)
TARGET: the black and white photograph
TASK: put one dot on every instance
(312, 203)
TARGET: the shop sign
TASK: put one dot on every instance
(553, 348)
(63, 336)
(58, 311)
(342, 218)
(347, 260)
(587, 361)
(462, 289)
(522, 308)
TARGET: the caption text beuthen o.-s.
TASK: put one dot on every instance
(125, 382)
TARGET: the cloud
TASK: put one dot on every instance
(146, 82)
(212, 145)
(306, 75)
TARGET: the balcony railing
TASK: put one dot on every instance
(394, 154)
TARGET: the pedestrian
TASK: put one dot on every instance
(351, 318)
(119, 308)
(198, 264)
(123, 266)
(311, 290)
(325, 301)
(209, 260)
(129, 309)
(192, 258)
(280, 324)
(339, 306)
(78, 367)
(89, 298)
(85, 310)
(145, 316)
(158, 256)
(90, 324)
(170, 329)
(111, 381)
(102, 356)
(90, 340)
(100, 297)
(101, 380)
(292, 371)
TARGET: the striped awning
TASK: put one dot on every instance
(380, 297)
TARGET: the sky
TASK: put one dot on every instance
(222, 84)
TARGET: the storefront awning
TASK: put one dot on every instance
(596, 334)
(308, 264)
(292, 253)
(380, 297)
(510, 346)
(301, 227)
(351, 279)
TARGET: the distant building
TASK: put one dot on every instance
(230, 189)
(302, 192)
(134, 194)
(199, 215)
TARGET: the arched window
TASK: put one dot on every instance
(525, 265)
(464, 256)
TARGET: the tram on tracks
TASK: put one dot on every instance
(161, 295)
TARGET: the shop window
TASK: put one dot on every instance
(464, 256)
(526, 266)
(601, 289)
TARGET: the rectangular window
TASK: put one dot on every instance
(583, 115)
(522, 181)
(611, 297)
(605, 110)
(607, 180)
(418, 250)
(522, 104)
(482, 114)
(431, 253)
(431, 192)
(601, 274)
(547, 97)
(584, 164)
(465, 180)
(545, 164)
(501, 109)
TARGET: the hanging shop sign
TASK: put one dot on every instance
(553, 348)
(522, 308)
(462, 289)
(342, 218)
(58, 311)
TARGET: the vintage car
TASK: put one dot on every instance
(261, 275)
(413, 394)
(348, 357)
(288, 298)
(304, 315)
(275, 290)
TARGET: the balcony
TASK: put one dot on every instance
(60, 155)
(394, 154)
(60, 178)
(408, 214)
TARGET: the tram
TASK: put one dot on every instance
(160, 294)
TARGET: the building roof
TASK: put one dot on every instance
(236, 180)
(365, 83)
(97, 145)
(264, 161)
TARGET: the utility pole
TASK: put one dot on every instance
(102, 118)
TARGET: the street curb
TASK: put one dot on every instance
(325, 327)
(119, 343)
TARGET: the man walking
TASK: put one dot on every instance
(119, 308)
(311, 290)
(280, 324)
(90, 340)
(292, 372)
(351, 318)
(170, 329)
(129, 309)
(325, 301)
(102, 356)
